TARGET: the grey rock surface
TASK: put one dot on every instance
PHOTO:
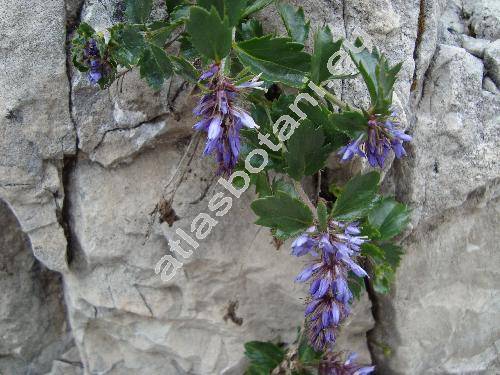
(33, 325)
(82, 170)
(492, 61)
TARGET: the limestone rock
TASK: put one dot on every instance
(484, 18)
(96, 163)
(33, 327)
(474, 46)
(492, 61)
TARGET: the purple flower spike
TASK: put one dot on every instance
(98, 67)
(382, 136)
(329, 292)
(221, 119)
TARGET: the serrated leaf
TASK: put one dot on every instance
(210, 35)
(382, 278)
(392, 254)
(185, 69)
(379, 77)
(85, 30)
(233, 9)
(373, 251)
(280, 184)
(283, 212)
(138, 11)
(324, 49)
(306, 153)
(127, 44)
(356, 284)
(217, 4)
(255, 6)
(384, 260)
(357, 197)
(306, 353)
(155, 66)
(370, 231)
(294, 22)
(250, 29)
(160, 31)
(352, 123)
(321, 117)
(264, 355)
(180, 13)
(278, 59)
(262, 187)
(389, 217)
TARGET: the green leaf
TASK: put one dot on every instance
(278, 59)
(138, 11)
(264, 355)
(85, 30)
(155, 66)
(306, 353)
(127, 44)
(379, 77)
(383, 278)
(357, 197)
(294, 22)
(351, 123)
(262, 187)
(322, 216)
(280, 184)
(389, 217)
(160, 32)
(233, 9)
(171, 4)
(255, 370)
(250, 29)
(373, 251)
(324, 49)
(306, 152)
(180, 14)
(210, 35)
(321, 117)
(356, 284)
(392, 253)
(255, 6)
(384, 259)
(185, 69)
(217, 4)
(370, 231)
(283, 212)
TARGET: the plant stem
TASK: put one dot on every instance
(335, 100)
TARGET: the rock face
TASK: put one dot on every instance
(33, 326)
(82, 170)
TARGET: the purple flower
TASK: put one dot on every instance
(332, 364)
(222, 119)
(98, 67)
(382, 137)
(330, 295)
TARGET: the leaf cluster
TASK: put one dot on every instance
(265, 357)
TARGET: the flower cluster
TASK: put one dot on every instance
(382, 137)
(332, 364)
(334, 251)
(222, 119)
(98, 67)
